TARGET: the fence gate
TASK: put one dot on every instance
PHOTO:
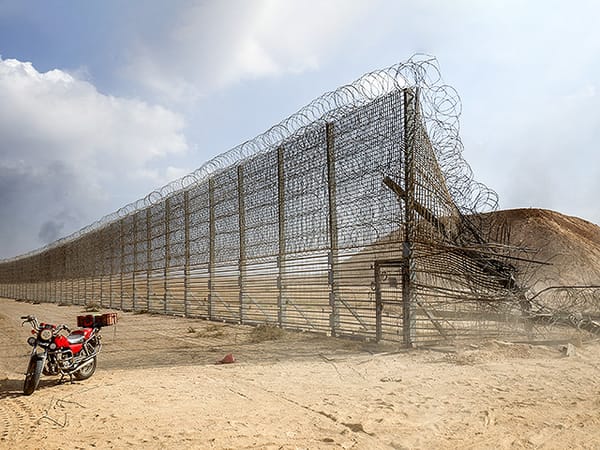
(388, 301)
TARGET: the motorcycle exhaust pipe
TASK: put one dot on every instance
(87, 362)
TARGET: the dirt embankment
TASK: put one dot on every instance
(570, 246)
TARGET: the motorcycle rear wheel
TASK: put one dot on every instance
(32, 377)
(85, 372)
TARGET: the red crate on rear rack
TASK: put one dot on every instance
(95, 321)
(85, 321)
(109, 319)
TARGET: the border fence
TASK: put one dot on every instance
(355, 216)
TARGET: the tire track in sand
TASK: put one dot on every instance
(16, 417)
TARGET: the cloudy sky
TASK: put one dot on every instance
(103, 102)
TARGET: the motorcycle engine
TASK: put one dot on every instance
(51, 367)
(65, 359)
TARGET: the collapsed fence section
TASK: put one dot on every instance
(349, 218)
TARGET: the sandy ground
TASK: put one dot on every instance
(157, 386)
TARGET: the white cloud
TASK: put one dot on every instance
(68, 151)
(74, 121)
(211, 45)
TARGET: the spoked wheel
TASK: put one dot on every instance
(34, 371)
(85, 372)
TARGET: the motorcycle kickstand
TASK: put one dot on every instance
(64, 375)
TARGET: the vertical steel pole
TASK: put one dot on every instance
(408, 269)
(148, 257)
(102, 255)
(378, 303)
(63, 293)
(122, 239)
(135, 265)
(167, 253)
(242, 227)
(47, 278)
(112, 269)
(85, 291)
(186, 267)
(211, 252)
(72, 265)
(281, 256)
(90, 270)
(32, 280)
(95, 271)
(334, 318)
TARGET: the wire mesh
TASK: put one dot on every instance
(355, 216)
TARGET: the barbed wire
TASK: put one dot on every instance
(441, 108)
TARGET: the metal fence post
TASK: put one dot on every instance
(101, 273)
(94, 272)
(242, 235)
(110, 276)
(167, 253)
(135, 265)
(211, 252)
(333, 232)
(281, 223)
(408, 269)
(72, 273)
(148, 257)
(378, 302)
(63, 293)
(122, 241)
(186, 266)
(85, 291)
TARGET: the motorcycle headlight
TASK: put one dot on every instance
(31, 341)
(46, 334)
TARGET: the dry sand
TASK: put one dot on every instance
(157, 386)
(569, 244)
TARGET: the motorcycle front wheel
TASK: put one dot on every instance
(85, 372)
(34, 371)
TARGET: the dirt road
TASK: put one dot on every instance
(157, 386)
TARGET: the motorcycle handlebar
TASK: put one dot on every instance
(34, 320)
(30, 319)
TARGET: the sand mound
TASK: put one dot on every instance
(570, 246)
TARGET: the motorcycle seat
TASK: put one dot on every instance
(75, 339)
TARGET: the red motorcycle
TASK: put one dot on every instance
(59, 351)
